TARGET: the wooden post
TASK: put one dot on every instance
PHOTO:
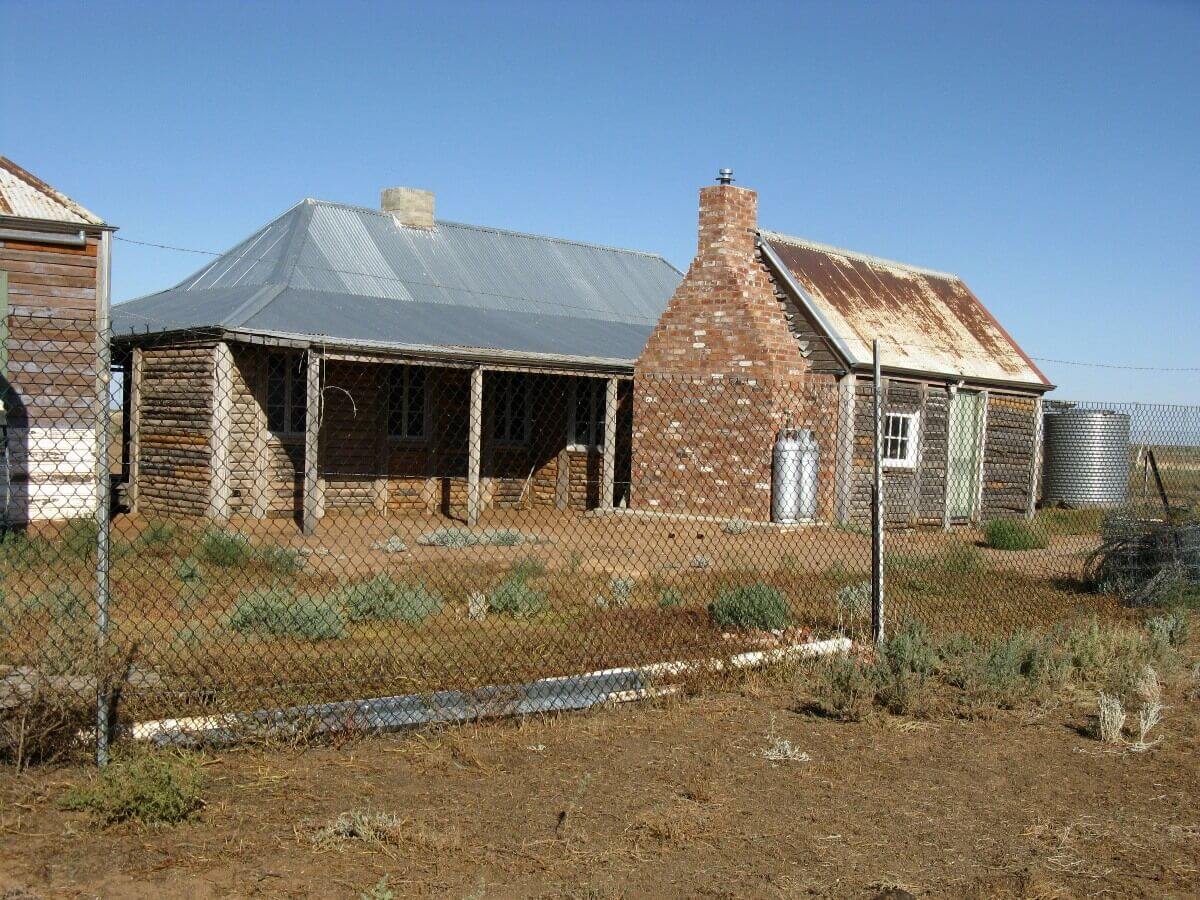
(977, 514)
(382, 443)
(135, 428)
(220, 433)
(844, 453)
(264, 477)
(1035, 472)
(951, 393)
(919, 468)
(314, 502)
(474, 446)
(608, 462)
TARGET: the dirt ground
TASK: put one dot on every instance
(665, 799)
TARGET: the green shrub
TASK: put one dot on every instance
(669, 598)
(1169, 630)
(1014, 534)
(846, 688)
(157, 537)
(78, 538)
(960, 559)
(20, 550)
(516, 597)
(281, 560)
(226, 549)
(853, 603)
(621, 590)
(154, 789)
(903, 665)
(1009, 671)
(384, 599)
(752, 606)
(63, 604)
(280, 613)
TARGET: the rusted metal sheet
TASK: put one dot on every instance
(926, 321)
(25, 195)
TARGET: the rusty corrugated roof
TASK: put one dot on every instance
(27, 196)
(926, 321)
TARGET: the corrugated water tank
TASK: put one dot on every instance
(1086, 457)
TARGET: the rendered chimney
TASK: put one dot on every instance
(408, 206)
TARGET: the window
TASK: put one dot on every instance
(406, 402)
(587, 413)
(510, 423)
(900, 439)
(287, 385)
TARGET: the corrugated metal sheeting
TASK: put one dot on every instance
(27, 196)
(927, 321)
(351, 273)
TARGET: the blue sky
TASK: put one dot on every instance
(1047, 152)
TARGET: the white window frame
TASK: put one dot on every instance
(503, 399)
(295, 381)
(599, 401)
(909, 460)
(401, 376)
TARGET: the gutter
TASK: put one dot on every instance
(948, 378)
(467, 356)
(42, 229)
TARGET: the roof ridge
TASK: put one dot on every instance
(72, 206)
(854, 254)
(495, 230)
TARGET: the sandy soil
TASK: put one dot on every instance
(672, 799)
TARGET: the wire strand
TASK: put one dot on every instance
(1174, 370)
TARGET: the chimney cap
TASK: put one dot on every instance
(408, 206)
(725, 176)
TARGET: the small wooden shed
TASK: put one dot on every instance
(54, 273)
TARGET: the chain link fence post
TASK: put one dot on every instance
(877, 627)
(103, 501)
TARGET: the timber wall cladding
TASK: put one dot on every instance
(175, 430)
(1011, 438)
(51, 394)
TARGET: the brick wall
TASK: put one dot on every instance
(720, 375)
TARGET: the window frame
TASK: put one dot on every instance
(599, 400)
(402, 374)
(502, 399)
(911, 437)
(295, 380)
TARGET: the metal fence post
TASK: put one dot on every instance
(103, 490)
(877, 630)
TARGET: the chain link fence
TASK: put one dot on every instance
(247, 535)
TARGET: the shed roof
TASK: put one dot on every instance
(351, 273)
(927, 321)
(25, 195)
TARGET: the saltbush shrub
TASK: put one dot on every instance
(383, 599)
(281, 560)
(752, 606)
(154, 789)
(669, 598)
(1014, 534)
(226, 549)
(516, 597)
(279, 613)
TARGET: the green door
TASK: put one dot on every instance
(962, 454)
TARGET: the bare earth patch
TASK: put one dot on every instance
(672, 799)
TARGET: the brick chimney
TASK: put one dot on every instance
(720, 374)
(408, 206)
(725, 318)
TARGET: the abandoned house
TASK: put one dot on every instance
(362, 360)
(377, 360)
(54, 265)
(768, 331)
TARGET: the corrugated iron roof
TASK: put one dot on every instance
(27, 196)
(926, 321)
(326, 269)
